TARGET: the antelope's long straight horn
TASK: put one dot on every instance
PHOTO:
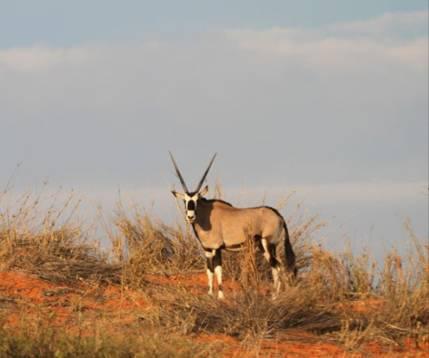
(178, 173)
(200, 184)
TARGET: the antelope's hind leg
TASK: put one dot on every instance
(275, 269)
(270, 256)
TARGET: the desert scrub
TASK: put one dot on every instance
(400, 290)
(41, 340)
(46, 242)
(144, 245)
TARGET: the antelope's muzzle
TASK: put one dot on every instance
(190, 216)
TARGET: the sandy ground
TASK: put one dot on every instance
(23, 297)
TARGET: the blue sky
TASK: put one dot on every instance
(61, 23)
(326, 99)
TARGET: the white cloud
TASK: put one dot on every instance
(414, 53)
(344, 105)
(41, 58)
(388, 24)
(372, 42)
(345, 43)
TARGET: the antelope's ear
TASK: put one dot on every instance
(204, 191)
(178, 195)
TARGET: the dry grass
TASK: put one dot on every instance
(40, 338)
(58, 256)
(246, 315)
(321, 301)
(46, 243)
(143, 246)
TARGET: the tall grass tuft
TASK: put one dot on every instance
(146, 246)
(45, 242)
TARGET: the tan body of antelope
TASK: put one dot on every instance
(220, 226)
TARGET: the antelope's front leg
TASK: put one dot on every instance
(217, 263)
(214, 266)
(210, 268)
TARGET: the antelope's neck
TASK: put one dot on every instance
(203, 215)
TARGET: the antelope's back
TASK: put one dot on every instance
(235, 225)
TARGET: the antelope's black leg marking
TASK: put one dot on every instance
(259, 243)
(273, 260)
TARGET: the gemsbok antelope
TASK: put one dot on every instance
(220, 226)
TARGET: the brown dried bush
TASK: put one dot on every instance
(44, 242)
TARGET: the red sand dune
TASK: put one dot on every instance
(33, 293)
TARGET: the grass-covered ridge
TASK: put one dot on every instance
(342, 299)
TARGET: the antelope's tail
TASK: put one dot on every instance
(289, 254)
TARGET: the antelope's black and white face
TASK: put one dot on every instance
(191, 201)
(191, 198)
